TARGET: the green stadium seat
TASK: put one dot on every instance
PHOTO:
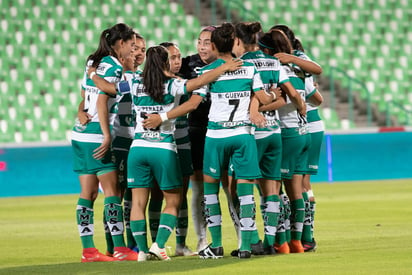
(31, 131)
(7, 130)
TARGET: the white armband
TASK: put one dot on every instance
(163, 116)
(274, 95)
(92, 74)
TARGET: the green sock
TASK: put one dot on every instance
(182, 222)
(166, 225)
(271, 219)
(307, 231)
(213, 213)
(247, 214)
(281, 230)
(312, 216)
(127, 207)
(155, 208)
(296, 219)
(139, 233)
(85, 223)
(107, 235)
(114, 216)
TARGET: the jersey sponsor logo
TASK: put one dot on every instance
(270, 123)
(264, 64)
(228, 124)
(237, 72)
(140, 90)
(243, 73)
(213, 170)
(151, 135)
(103, 68)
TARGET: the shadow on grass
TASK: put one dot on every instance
(178, 265)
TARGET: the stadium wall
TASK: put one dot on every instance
(32, 170)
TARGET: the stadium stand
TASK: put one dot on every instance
(45, 44)
(369, 39)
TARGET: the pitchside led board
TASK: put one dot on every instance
(43, 170)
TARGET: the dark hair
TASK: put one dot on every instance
(296, 44)
(138, 36)
(157, 62)
(223, 37)
(276, 42)
(266, 42)
(247, 32)
(281, 42)
(108, 38)
(168, 44)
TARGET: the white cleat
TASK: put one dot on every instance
(160, 253)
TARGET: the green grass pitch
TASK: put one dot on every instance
(361, 228)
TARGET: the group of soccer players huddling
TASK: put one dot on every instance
(240, 115)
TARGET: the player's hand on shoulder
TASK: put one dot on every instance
(285, 58)
(233, 64)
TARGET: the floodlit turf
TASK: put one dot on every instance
(361, 228)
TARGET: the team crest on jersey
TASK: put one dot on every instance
(78, 127)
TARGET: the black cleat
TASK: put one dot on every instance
(269, 251)
(234, 253)
(257, 248)
(211, 253)
(244, 254)
(309, 246)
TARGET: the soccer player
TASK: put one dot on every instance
(157, 91)
(316, 129)
(268, 136)
(315, 126)
(91, 142)
(197, 131)
(294, 138)
(229, 137)
(183, 149)
(124, 131)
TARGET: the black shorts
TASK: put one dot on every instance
(197, 137)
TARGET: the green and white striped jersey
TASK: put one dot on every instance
(111, 70)
(123, 123)
(288, 114)
(230, 97)
(143, 104)
(303, 56)
(315, 123)
(272, 74)
(182, 128)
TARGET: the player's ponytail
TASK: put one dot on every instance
(154, 77)
(223, 37)
(247, 32)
